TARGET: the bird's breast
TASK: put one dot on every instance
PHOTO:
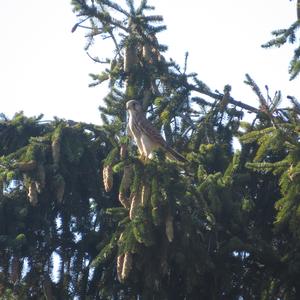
(133, 127)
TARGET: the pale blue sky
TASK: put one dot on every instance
(44, 69)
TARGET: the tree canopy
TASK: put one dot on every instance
(83, 217)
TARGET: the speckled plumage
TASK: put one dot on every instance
(146, 136)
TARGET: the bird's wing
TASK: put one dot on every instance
(148, 129)
(129, 132)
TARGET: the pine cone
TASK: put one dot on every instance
(38, 187)
(56, 151)
(127, 177)
(124, 200)
(127, 266)
(169, 228)
(156, 216)
(125, 185)
(154, 193)
(135, 201)
(60, 189)
(32, 193)
(120, 262)
(123, 151)
(41, 176)
(107, 178)
(130, 57)
(145, 194)
(146, 52)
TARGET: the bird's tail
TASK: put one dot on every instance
(174, 155)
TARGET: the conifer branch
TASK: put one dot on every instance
(221, 96)
(256, 89)
(116, 7)
(295, 102)
(282, 36)
(115, 42)
(96, 59)
(79, 24)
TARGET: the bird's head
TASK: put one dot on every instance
(133, 106)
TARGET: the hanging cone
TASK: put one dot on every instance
(60, 188)
(156, 216)
(146, 52)
(154, 193)
(145, 194)
(125, 185)
(127, 177)
(135, 201)
(120, 262)
(130, 57)
(127, 266)
(107, 178)
(56, 151)
(32, 193)
(155, 49)
(169, 228)
(41, 176)
(123, 151)
(124, 200)
(147, 97)
(38, 187)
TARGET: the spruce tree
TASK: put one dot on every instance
(289, 35)
(77, 198)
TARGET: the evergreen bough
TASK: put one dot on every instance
(82, 217)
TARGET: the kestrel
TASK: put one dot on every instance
(146, 136)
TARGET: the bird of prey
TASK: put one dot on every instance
(146, 136)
